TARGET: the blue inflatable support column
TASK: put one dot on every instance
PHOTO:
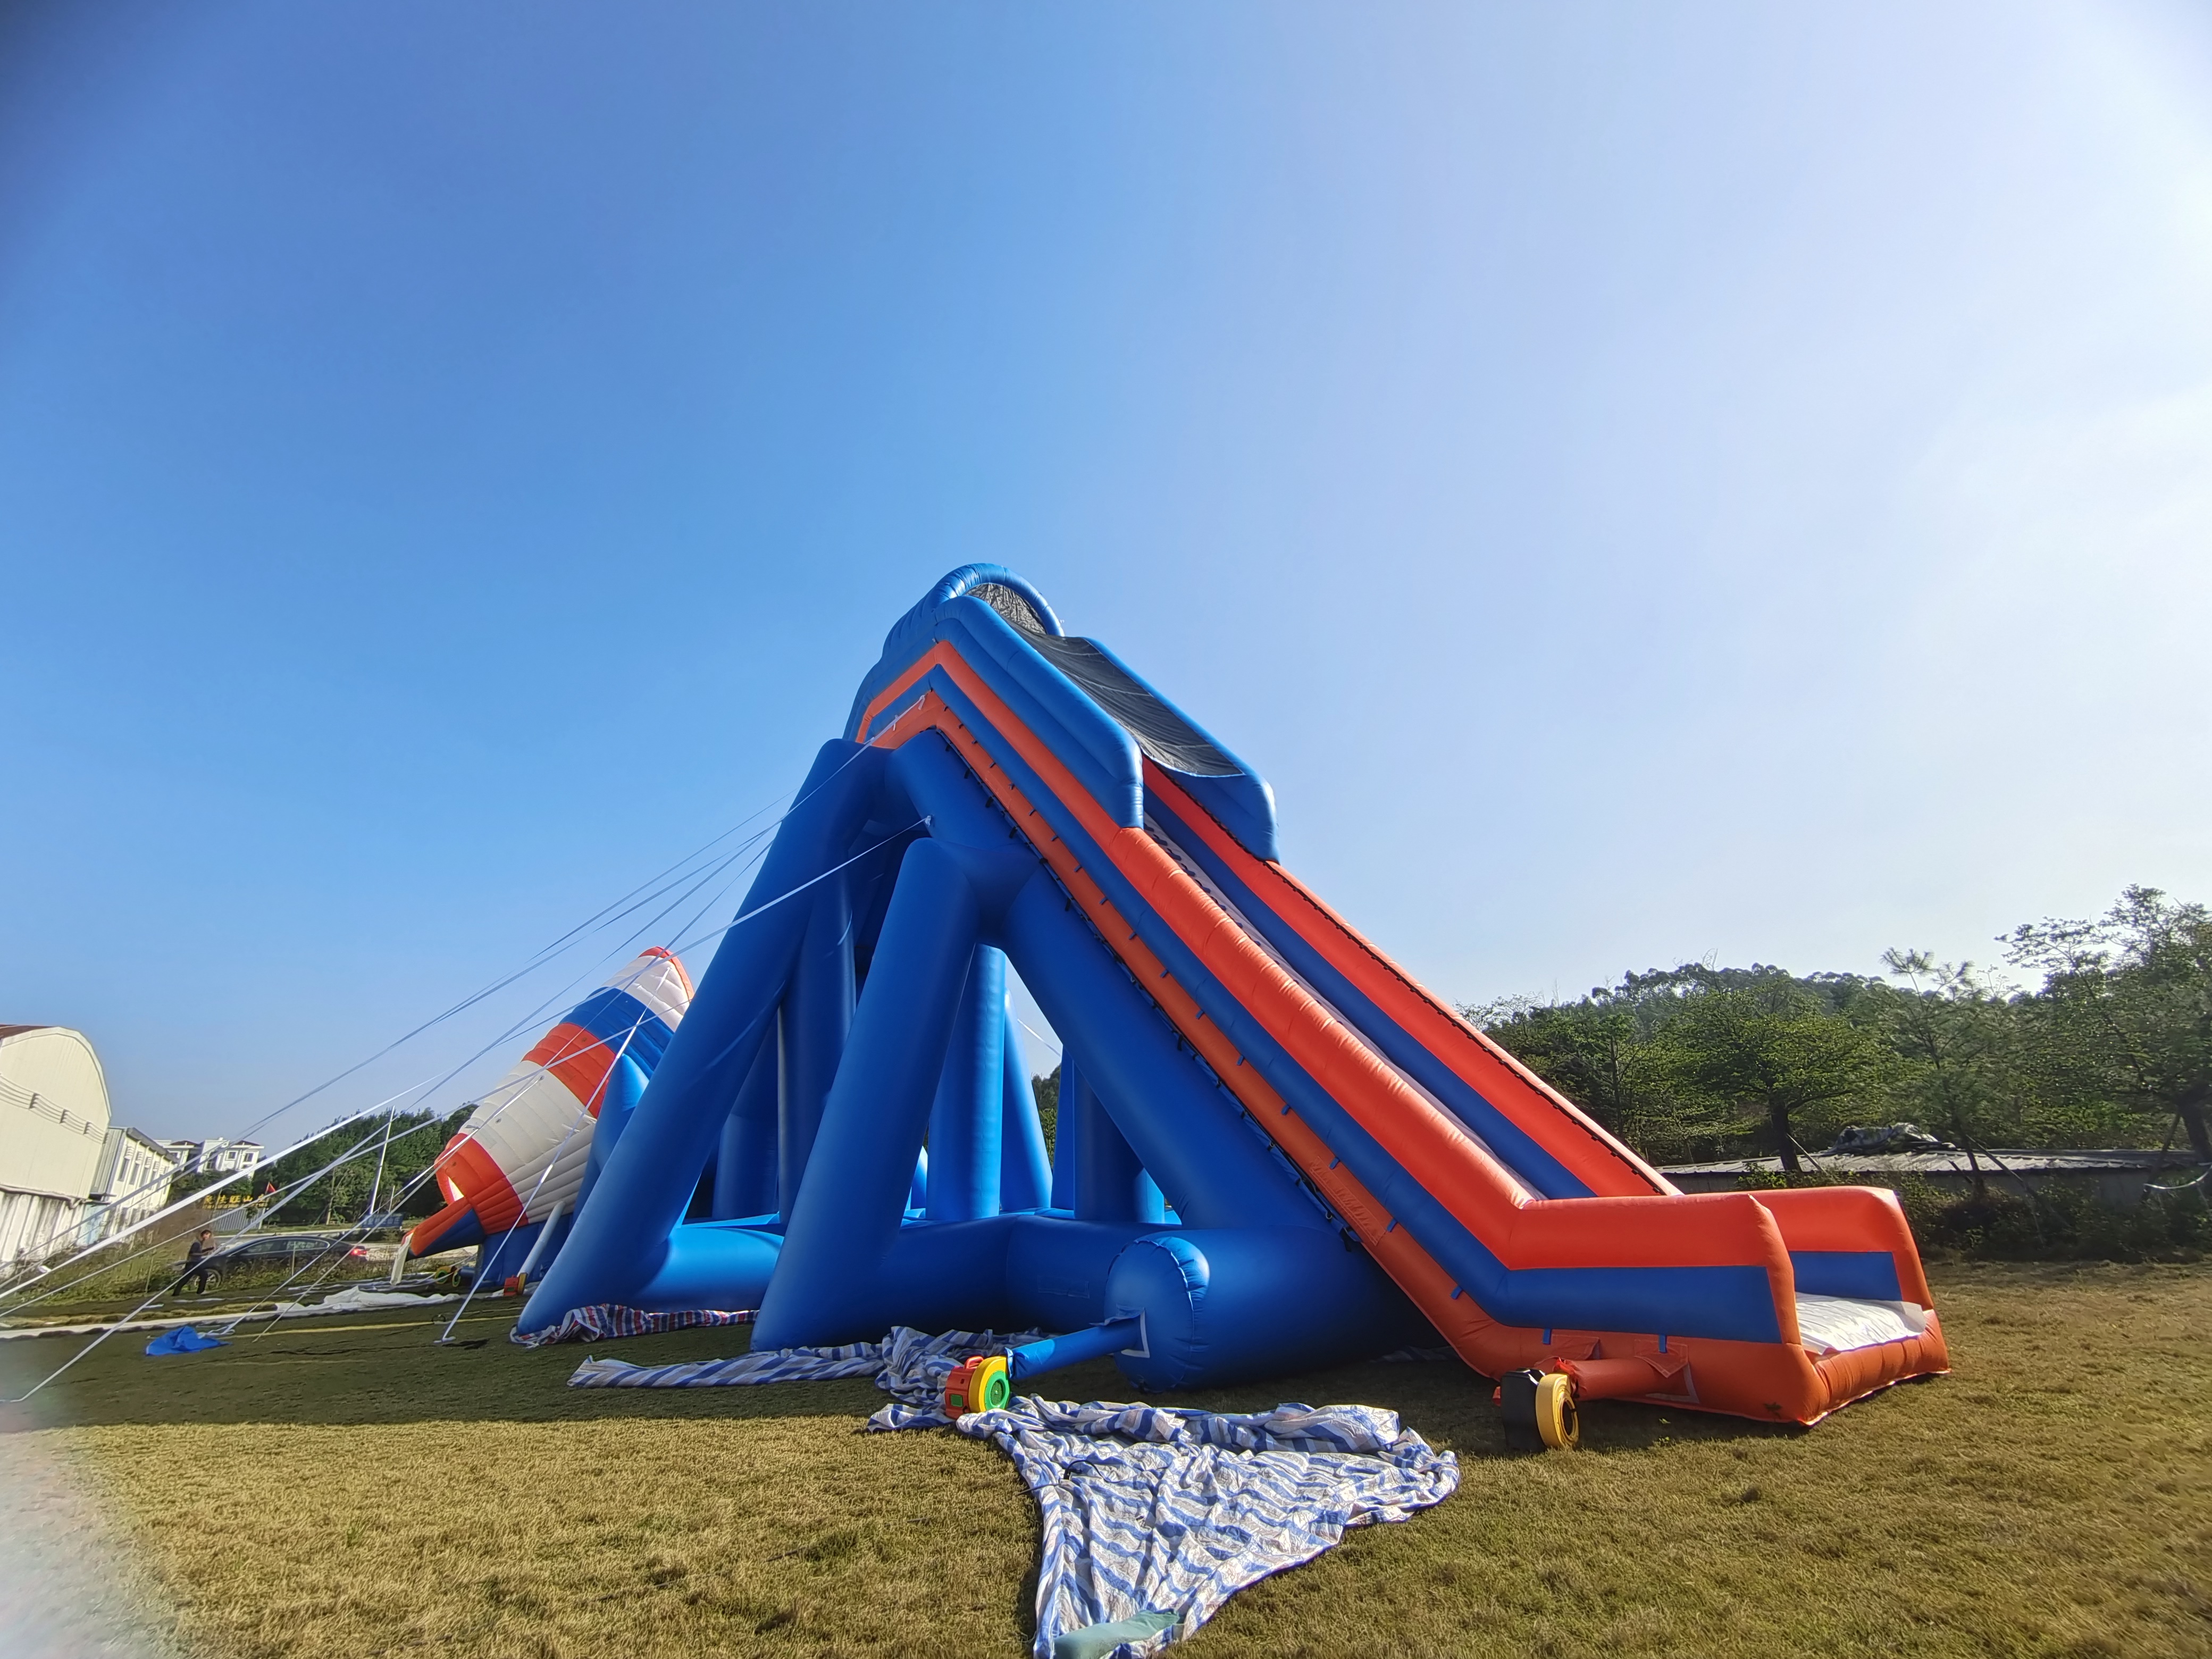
(1024, 1167)
(851, 1206)
(621, 1237)
(965, 1119)
(1183, 1128)
(745, 1163)
(833, 1280)
(1065, 1175)
(501, 1256)
(1110, 1184)
(817, 1014)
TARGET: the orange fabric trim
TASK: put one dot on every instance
(577, 1059)
(468, 1167)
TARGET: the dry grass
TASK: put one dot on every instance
(351, 1490)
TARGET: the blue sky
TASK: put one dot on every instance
(1644, 483)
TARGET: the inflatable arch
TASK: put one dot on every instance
(1276, 1150)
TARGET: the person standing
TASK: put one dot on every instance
(198, 1263)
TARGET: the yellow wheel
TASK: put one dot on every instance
(991, 1385)
(1557, 1421)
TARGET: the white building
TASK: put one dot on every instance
(214, 1157)
(54, 1125)
(132, 1183)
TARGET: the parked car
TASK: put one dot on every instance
(286, 1252)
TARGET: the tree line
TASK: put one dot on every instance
(2110, 1046)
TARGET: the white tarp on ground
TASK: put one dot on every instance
(354, 1298)
(1836, 1324)
(1152, 1518)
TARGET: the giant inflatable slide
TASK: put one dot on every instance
(1275, 1150)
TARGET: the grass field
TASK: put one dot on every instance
(349, 1489)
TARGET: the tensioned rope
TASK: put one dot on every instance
(544, 954)
(608, 914)
(522, 1215)
(515, 1092)
(132, 1315)
(201, 1161)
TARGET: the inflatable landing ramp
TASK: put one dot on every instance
(1274, 1149)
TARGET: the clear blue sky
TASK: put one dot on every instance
(1644, 483)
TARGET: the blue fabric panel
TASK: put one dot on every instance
(1056, 1268)
(1519, 1152)
(745, 1162)
(1225, 1305)
(616, 1018)
(1735, 1304)
(1870, 1274)
(1024, 1166)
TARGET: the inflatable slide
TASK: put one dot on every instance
(1274, 1150)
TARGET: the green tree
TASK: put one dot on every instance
(344, 1193)
(1955, 1043)
(1598, 1051)
(1769, 1048)
(2127, 1006)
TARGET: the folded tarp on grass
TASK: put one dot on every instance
(183, 1340)
(910, 1366)
(1152, 1518)
(604, 1321)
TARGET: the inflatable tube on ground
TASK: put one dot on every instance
(1226, 1305)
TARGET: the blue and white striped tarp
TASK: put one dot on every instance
(1169, 1514)
(1152, 1518)
(604, 1320)
(910, 1366)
